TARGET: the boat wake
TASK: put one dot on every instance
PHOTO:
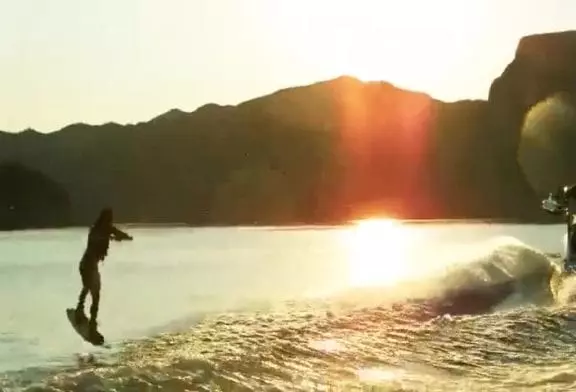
(473, 325)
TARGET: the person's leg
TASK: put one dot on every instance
(81, 300)
(85, 275)
(571, 251)
(95, 294)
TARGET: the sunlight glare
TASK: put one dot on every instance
(381, 40)
(328, 346)
(378, 252)
(379, 375)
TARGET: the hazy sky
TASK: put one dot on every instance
(94, 61)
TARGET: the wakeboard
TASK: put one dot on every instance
(81, 327)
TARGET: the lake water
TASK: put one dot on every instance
(282, 309)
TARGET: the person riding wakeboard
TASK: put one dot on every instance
(96, 250)
(559, 204)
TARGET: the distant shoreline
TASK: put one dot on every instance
(298, 225)
(410, 221)
(319, 225)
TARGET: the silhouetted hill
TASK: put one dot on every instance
(321, 153)
(544, 67)
(29, 199)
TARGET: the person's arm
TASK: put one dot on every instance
(569, 192)
(119, 235)
(552, 205)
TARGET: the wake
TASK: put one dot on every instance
(291, 344)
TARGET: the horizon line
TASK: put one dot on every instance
(134, 123)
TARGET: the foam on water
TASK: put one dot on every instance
(307, 349)
(234, 317)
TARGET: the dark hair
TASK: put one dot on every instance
(105, 218)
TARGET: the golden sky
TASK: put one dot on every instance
(96, 61)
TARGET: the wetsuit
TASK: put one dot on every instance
(565, 195)
(569, 261)
(96, 251)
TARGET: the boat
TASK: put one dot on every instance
(558, 203)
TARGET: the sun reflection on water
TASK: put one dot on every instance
(379, 375)
(327, 345)
(378, 252)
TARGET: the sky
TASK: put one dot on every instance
(96, 61)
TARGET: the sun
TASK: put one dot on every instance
(378, 252)
(409, 43)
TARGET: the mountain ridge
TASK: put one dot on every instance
(324, 152)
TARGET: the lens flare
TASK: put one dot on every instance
(378, 252)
